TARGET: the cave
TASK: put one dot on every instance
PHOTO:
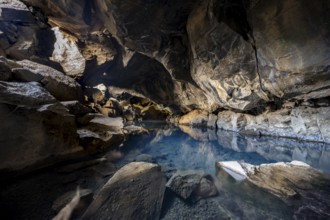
(163, 109)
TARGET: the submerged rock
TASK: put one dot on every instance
(135, 192)
(192, 185)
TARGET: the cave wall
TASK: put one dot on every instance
(202, 54)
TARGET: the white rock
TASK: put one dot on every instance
(234, 169)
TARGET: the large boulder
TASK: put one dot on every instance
(135, 192)
(192, 185)
(59, 85)
(300, 186)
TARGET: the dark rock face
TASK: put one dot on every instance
(22, 34)
(203, 54)
(31, 135)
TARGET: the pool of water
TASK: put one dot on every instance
(188, 148)
(193, 148)
(175, 149)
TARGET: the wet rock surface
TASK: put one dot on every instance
(302, 187)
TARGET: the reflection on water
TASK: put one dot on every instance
(188, 148)
(193, 148)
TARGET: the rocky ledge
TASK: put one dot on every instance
(300, 186)
(310, 123)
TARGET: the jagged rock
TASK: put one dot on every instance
(67, 54)
(136, 191)
(301, 122)
(59, 85)
(29, 94)
(192, 185)
(196, 118)
(37, 136)
(21, 32)
(76, 108)
(297, 184)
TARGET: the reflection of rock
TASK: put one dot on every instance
(302, 122)
(135, 192)
(296, 183)
(196, 133)
(192, 184)
(277, 149)
(134, 130)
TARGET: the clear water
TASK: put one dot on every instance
(199, 149)
(175, 149)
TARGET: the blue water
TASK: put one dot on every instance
(199, 149)
(188, 148)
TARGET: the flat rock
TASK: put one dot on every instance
(135, 192)
(29, 94)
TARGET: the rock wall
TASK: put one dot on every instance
(241, 55)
